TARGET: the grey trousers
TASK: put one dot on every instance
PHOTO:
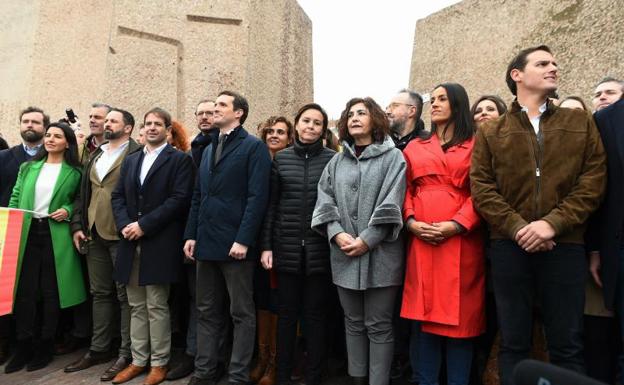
(150, 323)
(107, 297)
(368, 327)
(215, 280)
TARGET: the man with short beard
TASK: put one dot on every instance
(97, 116)
(404, 115)
(33, 122)
(81, 314)
(204, 113)
(93, 226)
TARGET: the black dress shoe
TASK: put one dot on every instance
(23, 354)
(88, 360)
(43, 354)
(70, 345)
(118, 366)
(181, 367)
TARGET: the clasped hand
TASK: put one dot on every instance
(132, 231)
(536, 236)
(352, 247)
(433, 233)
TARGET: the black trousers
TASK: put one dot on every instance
(310, 294)
(37, 280)
(557, 279)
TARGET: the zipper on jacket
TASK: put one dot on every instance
(536, 157)
(304, 212)
(538, 171)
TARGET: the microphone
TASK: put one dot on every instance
(531, 372)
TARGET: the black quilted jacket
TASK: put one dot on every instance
(297, 249)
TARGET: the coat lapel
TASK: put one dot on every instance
(434, 147)
(618, 134)
(231, 146)
(29, 185)
(161, 159)
(117, 163)
(66, 171)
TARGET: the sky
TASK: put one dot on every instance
(363, 47)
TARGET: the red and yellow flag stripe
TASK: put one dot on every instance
(10, 237)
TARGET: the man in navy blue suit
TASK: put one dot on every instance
(605, 239)
(33, 122)
(149, 204)
(229, 203)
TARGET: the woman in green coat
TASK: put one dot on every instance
(48, 266)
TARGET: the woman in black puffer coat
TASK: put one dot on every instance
(299, 255)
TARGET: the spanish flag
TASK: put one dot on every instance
(10, 237)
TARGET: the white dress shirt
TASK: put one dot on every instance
(536, 120)
(107, 158)
(148, 160)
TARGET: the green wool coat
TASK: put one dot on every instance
(68, 268)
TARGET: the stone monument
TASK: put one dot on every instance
(140, 54)
(472, 42)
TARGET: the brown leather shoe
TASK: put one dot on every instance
(118, 366)
(157, 374)
(128, 373)
(87, 361)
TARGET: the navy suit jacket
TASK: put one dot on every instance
(230, 197)
(10, 161)
(160, 206)
(605, 227)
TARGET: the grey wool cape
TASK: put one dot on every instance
(364, 197)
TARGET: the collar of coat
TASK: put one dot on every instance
(309, 148)
(550, 107)
(373, 150)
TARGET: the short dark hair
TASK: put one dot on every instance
(71, 153)
(270, 122)
(29, 109)
(416, 99)
(312, 106)
(239, 103)
(128, 119)
(164, 115)
(379, 120)
(519, 62)
(204, 100)
(460, 115)
(102, 105)
(609, 79)
(501, 107)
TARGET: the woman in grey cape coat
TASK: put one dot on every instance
(360, 197)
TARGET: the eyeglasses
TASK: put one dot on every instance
(271, 131)
(394, 105)
(207, 113)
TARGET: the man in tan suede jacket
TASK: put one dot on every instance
(537, 174)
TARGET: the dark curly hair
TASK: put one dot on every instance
(379, 120)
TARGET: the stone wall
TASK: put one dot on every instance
(473, 41)
(137, 55)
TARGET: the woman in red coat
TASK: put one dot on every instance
(444, 283)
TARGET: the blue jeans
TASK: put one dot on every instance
(413, 352)
(458, 359)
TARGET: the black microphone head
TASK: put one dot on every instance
(531, 372)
